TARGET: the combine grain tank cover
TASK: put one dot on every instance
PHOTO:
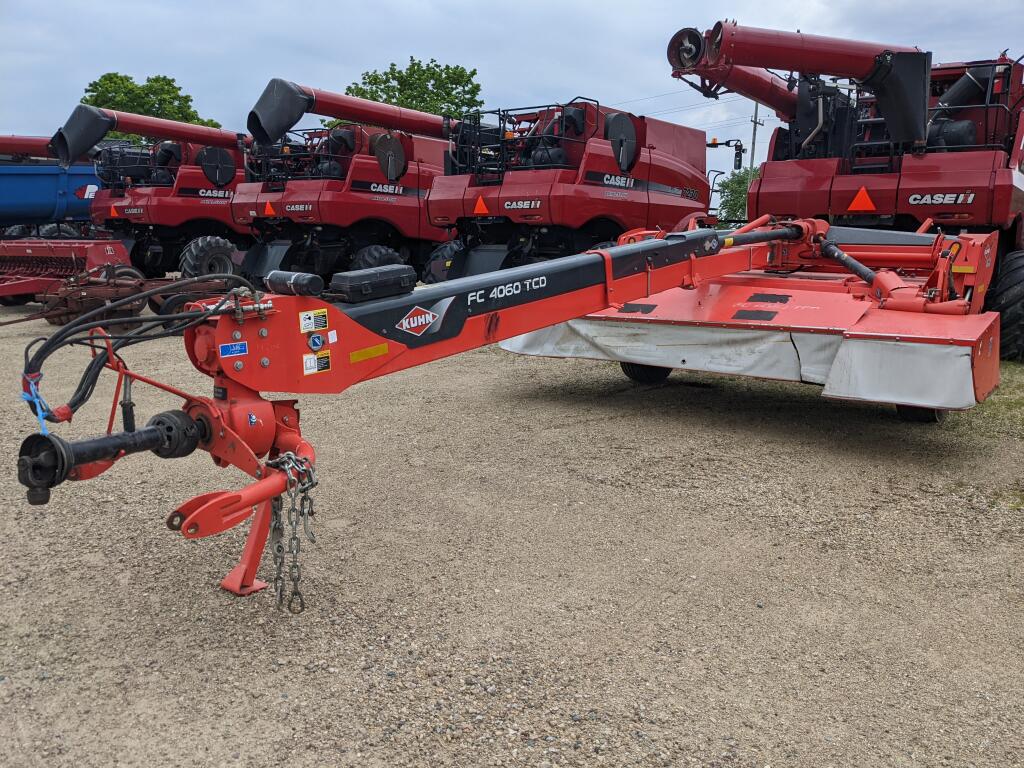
(83, 130)
(280, 107)
(218, 165)
(390, 155)
(620, 131)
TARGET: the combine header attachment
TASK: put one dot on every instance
(344, 198)
(371, 323)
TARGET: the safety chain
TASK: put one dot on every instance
(301, 480)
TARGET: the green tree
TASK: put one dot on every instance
(158, 96)
(732, 194)
(439, 89)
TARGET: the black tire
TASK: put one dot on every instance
(17, 232)
(435, 270)
(915, 414)
(15, 301)
(374, 256)
(645, 374)
(207, 255)
(1006, 296)
(58, 232)
(173, 305)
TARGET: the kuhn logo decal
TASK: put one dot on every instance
(522, 205)
(417, 321)
(298, 207)
(942, 198)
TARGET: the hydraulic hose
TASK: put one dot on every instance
(832, 251)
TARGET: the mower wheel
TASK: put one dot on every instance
(15, 301)
(374, 256)
(57, 232)
(915, 414)
(1006, 296)
(207, 255)
(645, 374)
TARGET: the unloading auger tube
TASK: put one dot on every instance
(283, 103)
(363, 326)
(88, 125)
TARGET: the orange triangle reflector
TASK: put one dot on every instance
(480, 209)
(862, 201)
(268, 209)
(113, 212)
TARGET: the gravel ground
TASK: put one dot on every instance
(531, 562)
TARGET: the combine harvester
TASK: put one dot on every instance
(44, 209)
(364, 327)
(169, 204)
(346, 198)
(524, 185)
(888, 154)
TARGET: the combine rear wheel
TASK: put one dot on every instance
(207, 256)
(17, 232)
(375, 256)
(1006, 296)
(645, 374)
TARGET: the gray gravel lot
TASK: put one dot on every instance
(534, 562)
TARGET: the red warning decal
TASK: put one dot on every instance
(862, 201)
(480, 209)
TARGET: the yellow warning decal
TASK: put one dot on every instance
(368, 353)
(314, 320)
(318, 362)
(965, 269)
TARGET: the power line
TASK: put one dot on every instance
(698, 105)
(645, 98)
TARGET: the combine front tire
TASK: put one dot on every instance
(17, 232)
(645, 374)
(58, 232)
(207, 255)
(375, 256)
(1006, 296)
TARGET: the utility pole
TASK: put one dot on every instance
(753, 137)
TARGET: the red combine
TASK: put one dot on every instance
(897, 144)
(537, 183)
(345, 198)
(169, 203)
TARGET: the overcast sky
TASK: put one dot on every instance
(527, 53)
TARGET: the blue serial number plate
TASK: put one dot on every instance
(234, 349)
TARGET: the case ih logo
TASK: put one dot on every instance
(221, 193)
(522, 205)
(940, 198)
(417, 321)
(622, 182)
(298, 207)
(388, 189)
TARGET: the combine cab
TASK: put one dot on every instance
(345, 198)
(531, 184)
